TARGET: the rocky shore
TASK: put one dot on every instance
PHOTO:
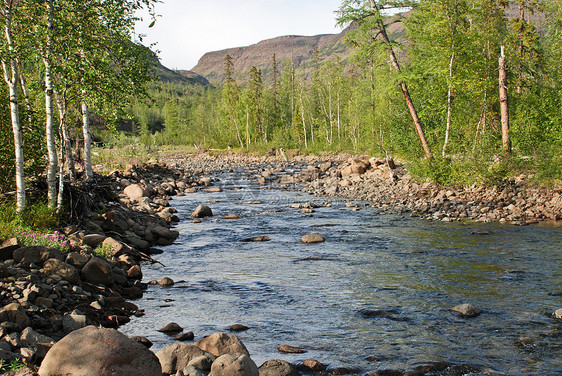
(389, 186)
(117, 221)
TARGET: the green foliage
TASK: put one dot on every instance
(13, 365)
(36, 216)
(103, 250)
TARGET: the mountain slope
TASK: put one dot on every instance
(298, 48)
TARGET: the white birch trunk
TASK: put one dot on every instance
(12, 78)
(50, 117)
(87, 140)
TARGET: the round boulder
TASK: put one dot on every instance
(234, 365)
(93, 351)
(97, 270)
(222, 343)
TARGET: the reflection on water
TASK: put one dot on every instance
(315, 295)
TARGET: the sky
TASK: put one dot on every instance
(186, 29)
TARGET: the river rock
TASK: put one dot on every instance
(313, 365)
(136, 192)
(166, 282)
(230, 216)
(191, 371)
(36, 255)
(66, 271)
(290, 349)
(32, 338)
(203, 362)
(171, 328)
(187, 336)
(16, 314)
(77, 260)
(467, 310)
(117, 247)
(93, 240)
(558, 314)
(93, 351)
(8, 248)
(238, 328)
(177, 356)
(134, 272)
(260, 238)
(73, 321)
(164, 232)
(312, 238)
(97, 270)
(222, 343)
(278, 368)
(202, 211)
(234, 365)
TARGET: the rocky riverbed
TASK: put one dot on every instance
(47, 294)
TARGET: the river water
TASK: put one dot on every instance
(406, 272)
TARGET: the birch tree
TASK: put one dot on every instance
(9, 60)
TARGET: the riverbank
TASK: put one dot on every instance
(390, 187)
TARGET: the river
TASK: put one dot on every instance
(323, 297)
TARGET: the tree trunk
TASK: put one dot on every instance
(520, 47)
(403, 86)
(12, 78)
(504, 103)
(50, 117)
(449, 101)
(23, 85)
(87, 139)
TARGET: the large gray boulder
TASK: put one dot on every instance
(234, 365)
(93, 351)
(222, 343)
(178, 355)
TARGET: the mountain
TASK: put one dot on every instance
(298, 48)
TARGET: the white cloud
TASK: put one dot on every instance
(187, 29)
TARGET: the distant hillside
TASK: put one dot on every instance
(298, 48)
(179, 77)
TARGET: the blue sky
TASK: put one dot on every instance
(186, 29)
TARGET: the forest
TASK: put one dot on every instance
(467, 93)
(447, 62)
